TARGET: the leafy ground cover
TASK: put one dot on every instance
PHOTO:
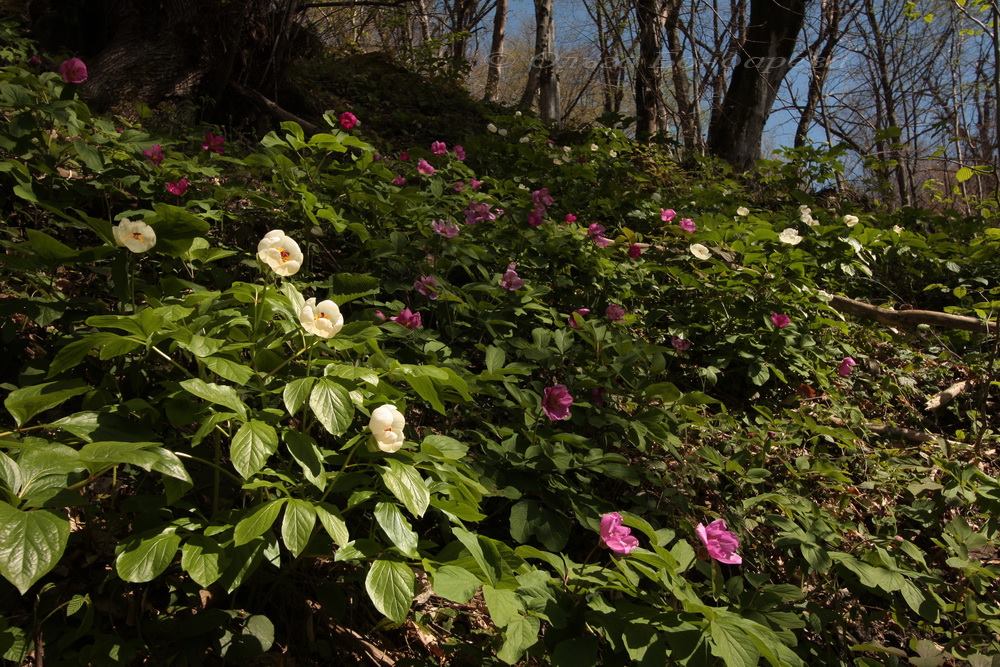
(514, 401)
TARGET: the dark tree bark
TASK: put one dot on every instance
(686, 110)
(541, 76)
(496, 52)
(649, 18)
(735, 134)
(819, 54)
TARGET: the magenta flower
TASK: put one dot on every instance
(425, 167)
(458, 186)
(687, 224)
(73, 70)
(510, 280)
(213, 143)
(154, 154)
(477, 212)
(426, 286)
(348, 120)
(399, 181)
(571, 319)
(446, 229)
(178, 187)
(847, 365)
(379, 315)
(439, 148)
(407, 319)
(536, 217)
(667, 214)
(596, 233)
(635, 250)
(542, 199)
(614, 313)
(35, 60)
(680, 344)
(617, 537)
(475, 184)
(569, 219)
(780, 320)
(556, 402)
(459, 153)
(720, 543)
(404, 156)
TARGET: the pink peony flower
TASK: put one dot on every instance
(475, 184)
(680, 344)
(154, 154)
(780, 320)
(348, 121)
(213, 143)
(407, 319)
(477, 212)
(667, 214)
(178, 187)
(446, 229)
(426, 286)
(35, 60)
(459, 153)
(439, 148)
(458, 186)
(596, 233)
(404, 156)
(569, 219)
(399, 181)
(541, 198)
(617, 537)
(687, 224)
(510, 280)
(73, 70)
(847, 365)
(425, 167)
(379, 315)
(556, 402)
(635, 250)
(720, 543)
(614, 313)
(582, 312)
(536, 217)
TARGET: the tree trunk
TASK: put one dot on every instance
(735, 135)
(496, 52)
(649, 18)
(543, 57)
(685, 109)
(819, 66)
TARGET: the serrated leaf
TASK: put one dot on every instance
(397, 528)
(31, 543)
(408, 486)
(296, 393)
(219, 394)
(332, 522)
(252, 446)
(390, 586)
(520, 635)
(257, 522)
(455, 583)
(147, 558)
(203, 559)
(332, 405)
(229, 369)
(297, 525)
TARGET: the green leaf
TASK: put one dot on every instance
(219, 394)
(296, 392)
(731, 645)
(228, 369)
(964, 174)
(203, 559)
(45, 469)
(305, 452)
(455, 583)
(147, 558)
(390, 586)
(397, 528)
(332, 405)
(519, 636)
(444, 447)
(297, 526)
(408, 486)
(90, 156)
(10, 474)
(257, 522)
(332, 523)
(252, 446)
(26, 402)
(504, 605)
(31, 543)
(489, 563)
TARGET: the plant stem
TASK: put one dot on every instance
(218, 468)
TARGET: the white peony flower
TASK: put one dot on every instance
(557, 161)
(699, 251)
(594, 148)
(805, 210)
(897, 229)
(492, 128)
(613, 153)
(790, 236)
(136, 236)
(517, 114)
(567, 149)
(743, 211)
(387, 425)
(280, 252)
(322, 319)
(525, 139)
(809, 220)
(502, 132)
(851, 220)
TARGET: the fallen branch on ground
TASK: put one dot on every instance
(912, 318)
(273, 108)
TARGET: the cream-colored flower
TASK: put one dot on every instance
(557, 161)
(594, 148)
(805, 210)
(699, 251)
(743, 211)
(491, 128)
(321, 319)
(387, 424)
(567, 149)
(790, 236)
(897, 229)
(851, 220)
(525, 139)
(613, 153)
(807, 219)
(136, 236)
(280, 252)
(502, 131)
(517, 114)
